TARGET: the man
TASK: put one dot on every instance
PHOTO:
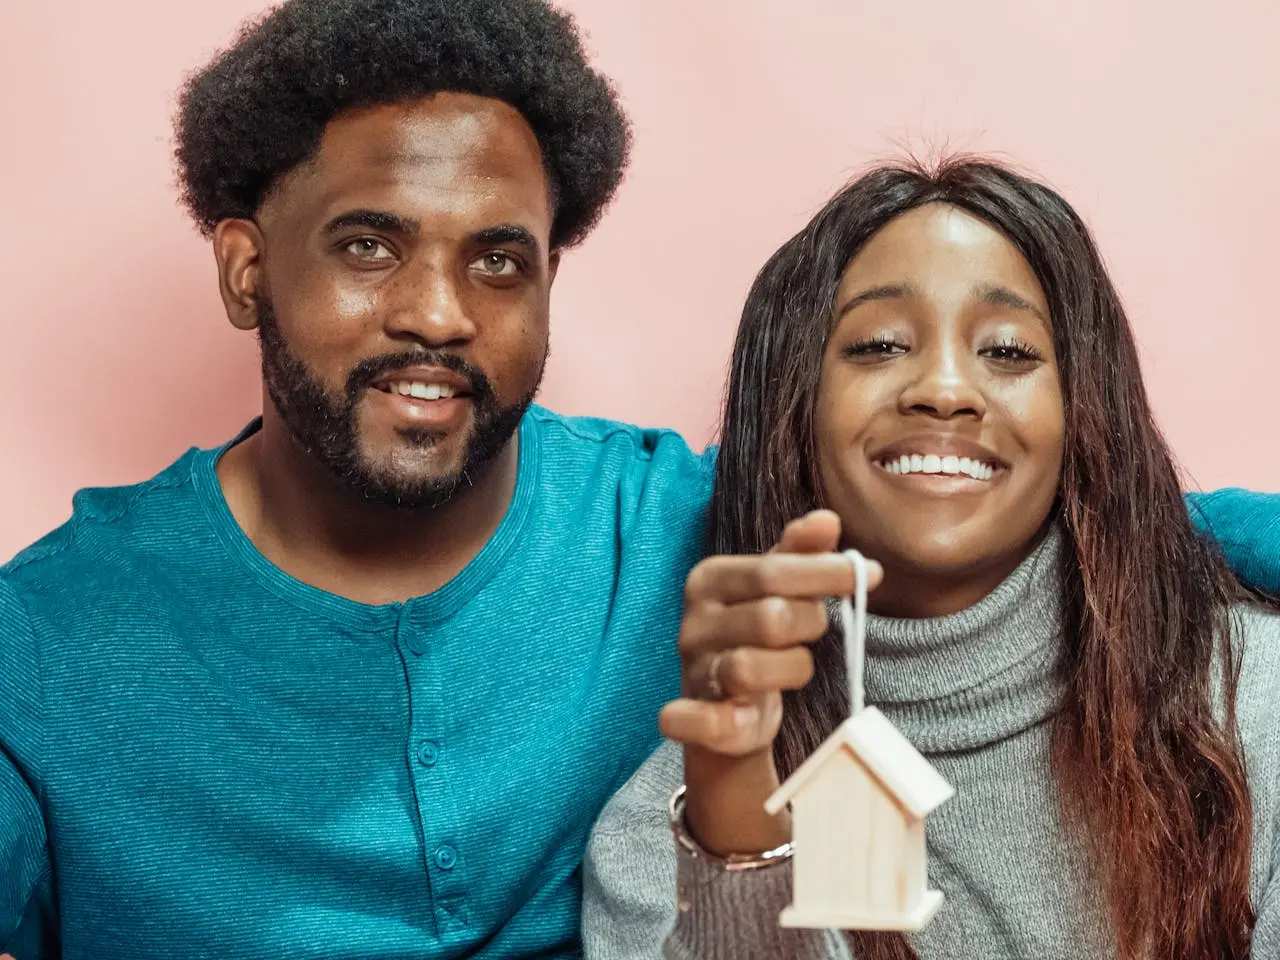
(357, 683)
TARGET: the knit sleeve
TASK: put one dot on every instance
(725, 915)
(1266, 930)
(1257, 630)
(25, 873)
(642, 901)
(1247, 527)
(628, 886)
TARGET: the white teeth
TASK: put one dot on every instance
(936, 464)
(422, 391)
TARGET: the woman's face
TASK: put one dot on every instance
(939, 418)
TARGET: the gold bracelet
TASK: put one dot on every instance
(732, 861)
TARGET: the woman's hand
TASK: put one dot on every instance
(743, 640)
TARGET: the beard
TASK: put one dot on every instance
(326, 427)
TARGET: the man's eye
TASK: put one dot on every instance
(498, 264)
(367, 248)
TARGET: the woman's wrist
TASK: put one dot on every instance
(724, 803)
(686, 842)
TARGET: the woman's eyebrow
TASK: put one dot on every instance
(999, 296)
(886, 291)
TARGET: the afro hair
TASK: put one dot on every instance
(259, 109)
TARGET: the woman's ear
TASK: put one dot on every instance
(238, 247)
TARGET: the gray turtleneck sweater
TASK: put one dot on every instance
(974, 692)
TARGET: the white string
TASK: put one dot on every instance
(854, 617)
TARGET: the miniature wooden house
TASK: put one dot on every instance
(858, 808)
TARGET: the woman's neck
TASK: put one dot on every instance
(910, 591)
(965, 679)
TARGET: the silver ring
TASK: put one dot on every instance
(714, 689)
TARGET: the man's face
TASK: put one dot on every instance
(402, 291)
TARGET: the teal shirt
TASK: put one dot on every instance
(203, 757)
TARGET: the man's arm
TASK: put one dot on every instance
(25, 890)
(25, 872)
(1247, 527)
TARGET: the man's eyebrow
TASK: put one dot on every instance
(886, 291)
(374, 220)
(507, 233)
(999, 296)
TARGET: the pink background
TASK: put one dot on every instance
(1159, 121)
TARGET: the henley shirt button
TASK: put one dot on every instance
(428, 753)
(446, 857)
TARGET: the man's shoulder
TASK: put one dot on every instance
(641, 463)
(615, 438)
(107, 526)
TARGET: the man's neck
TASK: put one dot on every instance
(322, 532)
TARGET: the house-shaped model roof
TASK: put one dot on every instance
(887, 754)
(858, 809)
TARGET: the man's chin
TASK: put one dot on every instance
(409, 492)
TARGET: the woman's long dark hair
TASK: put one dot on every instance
(1146, 768)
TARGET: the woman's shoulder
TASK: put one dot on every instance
(645, 796)
(1256, 631)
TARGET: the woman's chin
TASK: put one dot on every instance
(918, 561)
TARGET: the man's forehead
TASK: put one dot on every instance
(450, 151)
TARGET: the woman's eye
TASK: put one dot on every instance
(498, 264)
(367, 248)
(875, 348)
(1013, 353)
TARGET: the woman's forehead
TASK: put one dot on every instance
(939, 251)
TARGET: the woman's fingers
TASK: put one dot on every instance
(732, 728)
(772, 622)
(748, 671)
(741, 579)
(818, 531)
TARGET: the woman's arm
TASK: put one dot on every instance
(742, 642)
(647, 897)
(629, 877)
(1266, 932)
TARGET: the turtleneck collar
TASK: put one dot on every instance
(972, 678)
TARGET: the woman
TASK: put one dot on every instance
(940, 360)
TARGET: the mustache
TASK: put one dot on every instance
(370, 369)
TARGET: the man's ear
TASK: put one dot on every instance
(238, 247)
(553, 265)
